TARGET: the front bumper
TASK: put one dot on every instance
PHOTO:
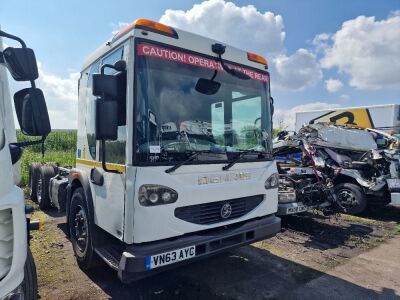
(285, 209)
(132, 265)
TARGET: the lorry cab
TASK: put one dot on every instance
(174, 154)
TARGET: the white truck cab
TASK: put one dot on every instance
(17, 268)
(174, 149)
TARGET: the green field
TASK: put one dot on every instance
(60, 148)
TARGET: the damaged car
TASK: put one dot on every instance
(305, 183)
(361, 166)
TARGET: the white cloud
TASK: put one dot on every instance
(367, 50)
(247, 28)
(61, 98)
(295, 72)
(320, 41)
(286, 118)
(333, 85)
(240, 26)
(118, 26)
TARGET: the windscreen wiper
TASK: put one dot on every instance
(192, 157)
(240, 157)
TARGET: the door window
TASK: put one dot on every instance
(115, 150)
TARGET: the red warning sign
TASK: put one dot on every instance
(195, 60)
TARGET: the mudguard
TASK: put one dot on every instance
(78, 178)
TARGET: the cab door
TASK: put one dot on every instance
(109, 195)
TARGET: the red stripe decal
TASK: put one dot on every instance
(194, 60)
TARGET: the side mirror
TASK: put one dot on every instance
(32, 114)
(104, 84)
(109, 85)
(106, 120)
(21, 62)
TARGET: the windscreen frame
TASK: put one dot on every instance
(135, 162)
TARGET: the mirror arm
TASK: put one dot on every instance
(13, 37)
(29, 143)
(1, 58)
(106, 66)
(103, 159)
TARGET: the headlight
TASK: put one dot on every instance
(286, 197)
(272, 182)
(154, 194)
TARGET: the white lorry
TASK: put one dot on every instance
(173, 155)
(17, 268)
(382, 117)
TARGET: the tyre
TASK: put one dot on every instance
(350, 198)
(34, 173)
(81, 230)
(54, 166)
(42, 186)
(29, 285)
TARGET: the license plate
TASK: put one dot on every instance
(167, 258)
(297, 209)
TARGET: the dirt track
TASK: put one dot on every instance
(308, 246)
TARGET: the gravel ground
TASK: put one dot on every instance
(309, 246)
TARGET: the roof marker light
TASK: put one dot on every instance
(257, 58)
(147, 25)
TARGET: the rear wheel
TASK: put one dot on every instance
(80, 228)
(34, 174)
(29, 284)
(350, 198)
(42, 186)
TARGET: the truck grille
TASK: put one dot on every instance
(210, 213)
(6, 241)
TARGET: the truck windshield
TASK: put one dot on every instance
(174, 120)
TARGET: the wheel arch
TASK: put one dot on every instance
(76, 179)
(345, 179)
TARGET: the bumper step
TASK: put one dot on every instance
(110, 256)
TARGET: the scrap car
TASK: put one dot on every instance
(361, 166)
(304, 182)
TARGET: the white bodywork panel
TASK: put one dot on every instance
(159, 222)
(13, 244)
(108, 201)
(352, 139)
(8, 115)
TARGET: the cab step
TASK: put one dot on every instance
(110, 256)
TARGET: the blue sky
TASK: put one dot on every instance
(321, 53)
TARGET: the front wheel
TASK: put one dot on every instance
(350, 198)
(29, 285)
(80, 228)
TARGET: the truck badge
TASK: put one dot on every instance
(226, 210)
